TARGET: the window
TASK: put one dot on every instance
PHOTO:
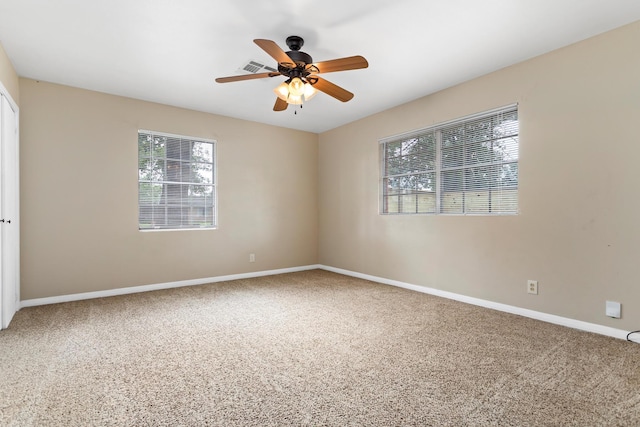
(176, 182)
(467, 166)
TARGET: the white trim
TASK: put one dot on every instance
(158, 230)
(7, 95)
(545, 317)
(173, 135)
(415, 132)
(167, 285)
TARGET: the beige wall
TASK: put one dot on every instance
(79, 195)
(295, 202)
(577, 233)
(8, 76)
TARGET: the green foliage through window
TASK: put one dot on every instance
(469, 166)
(176, 182)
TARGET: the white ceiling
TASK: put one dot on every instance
(170, 51)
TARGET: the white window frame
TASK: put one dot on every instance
(188, 224)
(438, 170)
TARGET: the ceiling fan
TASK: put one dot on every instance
(301, 72)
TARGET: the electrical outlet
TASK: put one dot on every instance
(252, 257)
(612, 309)
(532, 287)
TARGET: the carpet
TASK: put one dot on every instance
(310, 348)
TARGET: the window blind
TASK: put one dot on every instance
(466, 166)
(176, 182)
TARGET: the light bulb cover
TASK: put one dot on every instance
(294, 99)
(282, 91)
(309, 91)
(296, 87)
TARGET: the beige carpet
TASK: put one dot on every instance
(310, 348)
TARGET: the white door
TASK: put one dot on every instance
(2, 296)
(9, 213)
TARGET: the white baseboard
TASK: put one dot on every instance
(545, 317)
(167, 285)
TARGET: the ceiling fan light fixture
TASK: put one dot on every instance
(294, 99)
(309, 91)
(282, 91)
(296, 87)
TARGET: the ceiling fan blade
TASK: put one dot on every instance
(280, 105)
(342, 64)
(333, 90)
(275, 52)
(245, 77)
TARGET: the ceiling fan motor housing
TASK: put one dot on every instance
(300, 58)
